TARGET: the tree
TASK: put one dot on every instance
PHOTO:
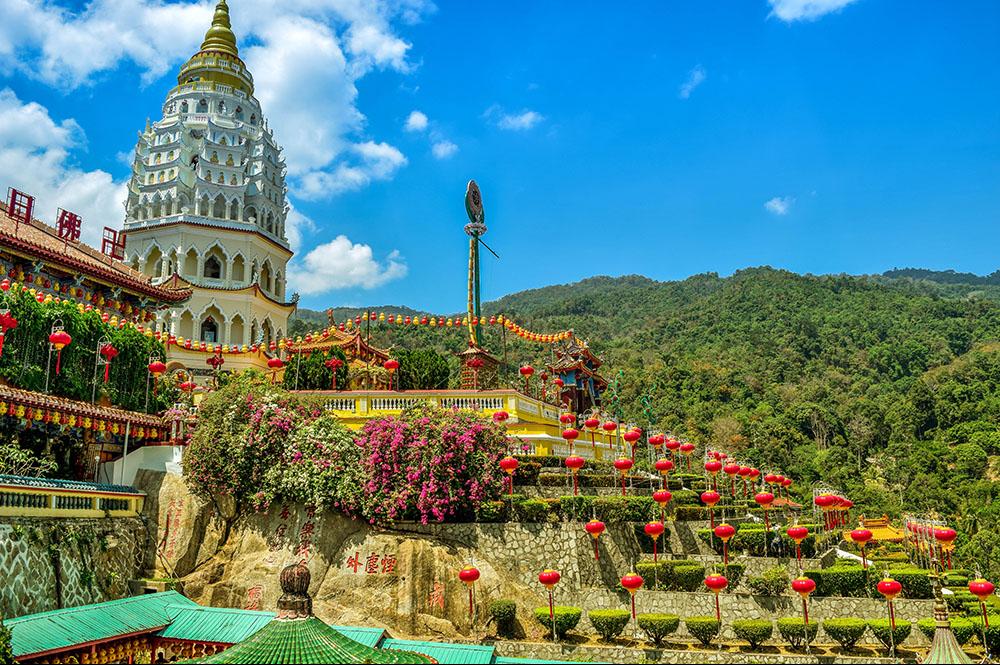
(422, 369)
(17, 461)
(6, 651)
(309, 371)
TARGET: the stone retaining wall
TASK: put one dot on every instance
(616, 654)
(48, 563)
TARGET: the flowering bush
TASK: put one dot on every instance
(429, 464)
(242, 433)
(320, 466)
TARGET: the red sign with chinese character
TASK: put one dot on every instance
(113, 244)
(68, 225)
(19, 205)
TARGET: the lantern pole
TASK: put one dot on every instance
(97, 363)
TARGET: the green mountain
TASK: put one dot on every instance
(886, 387)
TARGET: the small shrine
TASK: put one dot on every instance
(576, 366)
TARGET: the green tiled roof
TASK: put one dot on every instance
(60, 629)
(445, 653)
(306, 641)
(371, 637)
(214, 624)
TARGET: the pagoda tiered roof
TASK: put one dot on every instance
(352, 343)
(37, 241)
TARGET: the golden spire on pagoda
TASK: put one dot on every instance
(220, 36)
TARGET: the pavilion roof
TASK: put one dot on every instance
(348, 341)
(68, 628)
(307, 640)
(30, 398)
(36, 240)
(882, 530)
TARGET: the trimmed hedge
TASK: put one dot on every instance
(625, 508)
(754, 631)
(609, 623)
(658, 626)
(566, 618)
(963, 629)
(662, 575)
(992, 633)
(704, 629)
(841, 580)
(882, 629)
(690, 514)
(846, 631)
(773, 582)
(576, 508)
(796, 631)
(690, 578)
(504, 614)
(527, 472)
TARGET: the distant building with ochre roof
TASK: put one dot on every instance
(881, 530)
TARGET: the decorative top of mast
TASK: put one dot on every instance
(220, 36)
(474, 207)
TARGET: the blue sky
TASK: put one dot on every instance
(666, 139)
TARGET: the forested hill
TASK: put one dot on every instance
(886, 387)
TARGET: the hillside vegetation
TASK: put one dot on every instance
(885, 387)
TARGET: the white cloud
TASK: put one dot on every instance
(342, 264)
(415, 122)
(524, 120)
(444, 149)
(296, 226)
(367, 162)
(306, 57)
(695, 78)
(779, 205)
(805, 10)
(34, 158)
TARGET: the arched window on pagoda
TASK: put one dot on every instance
(213, 268)
(209, 330)
(239, 112)
(202, 106)
(184, 107)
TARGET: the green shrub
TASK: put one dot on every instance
(526, 472)
(566, 618)
(658, 626)
(690, 513)
(609, 623)
(504, 613)
(704, 629)
(734, 573)
(685, 498)
(616, 509)
(689, 577)
(492, 511)
(916, 583)
(773, 582)
(957, 600)
(532, 510)
(840, 580)
(963, 629)
(754, 631)
(796, 632)
(846, 632)
(576, 508)
(659, 575)
(992, 633)
(881, 628)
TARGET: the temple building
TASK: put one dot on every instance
(206, 207)
(576, 365)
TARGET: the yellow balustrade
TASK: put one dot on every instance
(24, 501)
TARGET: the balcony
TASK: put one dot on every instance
(42, 497)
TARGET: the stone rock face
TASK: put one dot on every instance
(50, 563)
(405, 579)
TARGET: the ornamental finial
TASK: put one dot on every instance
(220, 36)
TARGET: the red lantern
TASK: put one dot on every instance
(500, 416)
(574, 463)
(725, 532)
(982, 589)
(595, 528)
(391, 365)
(334, 364)
(890, 588)
(567, 418)
(549, 579)
(764, 500)
(716, 584)
(592, 423)
(623, 464)
(509, 465)
(526, 371)
(609, 427)
(654, 530)
(712, 467)
(798, 534)
(59, 339)
(468, 576)
(632, 583)
(710, 498)
(109, 352)
(861, 537)
(7, 322)
(804, 586)
(946, 539)
(662, 498)
(631, 437)
(664, 467)
(157, 368)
